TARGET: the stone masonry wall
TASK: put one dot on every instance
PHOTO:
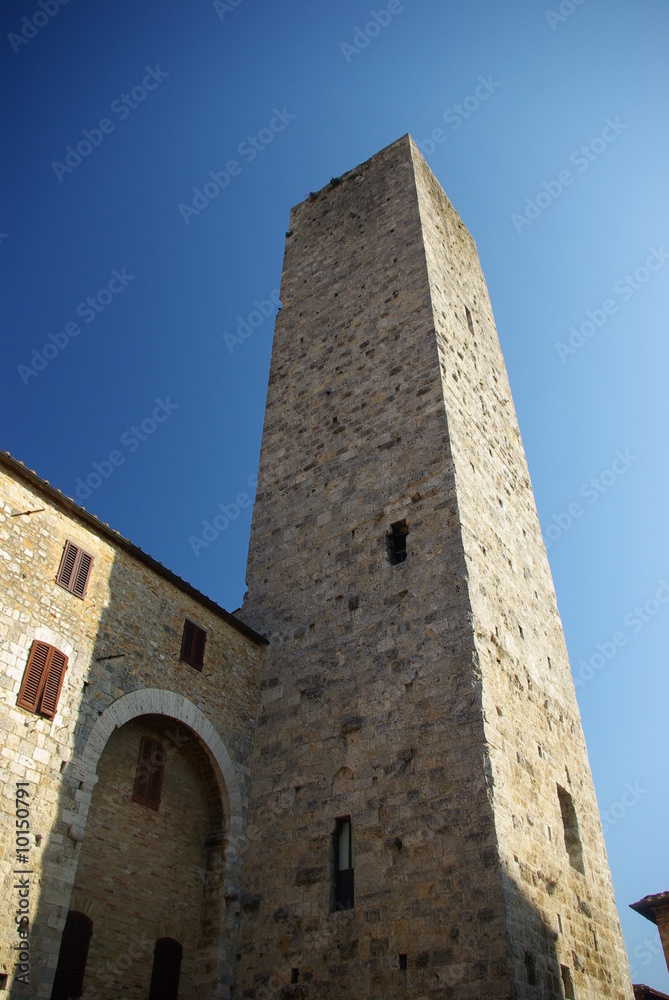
(123, 642)
(417, 698)
(370, 703)
(533, 730)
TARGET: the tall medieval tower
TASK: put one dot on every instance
(423, 821)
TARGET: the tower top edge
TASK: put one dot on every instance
(408, 149)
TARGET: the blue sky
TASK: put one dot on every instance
(137, 329)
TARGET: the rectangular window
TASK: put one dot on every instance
(192, 645)
(396, 542)
(43, 680)
(75, 569)
(572, 838)
(150, 772)
(344, 860)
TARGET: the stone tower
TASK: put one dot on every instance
(423, 821)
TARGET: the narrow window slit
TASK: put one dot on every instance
(396, 542)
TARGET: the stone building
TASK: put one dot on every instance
(129, 703)
(421, 816)
(656, 909)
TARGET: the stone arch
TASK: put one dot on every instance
(156, 701)
(196, 738)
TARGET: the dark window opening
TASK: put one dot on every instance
(396, 542)
(344, 861)
(403, 963)
(567, 983)
(192, 645)
(150, 772)
(42, 682)
(294, 975)
(69, 978)
(530, 968)
(470, 322)
(74, 570)
(572, 838)
(167, 957)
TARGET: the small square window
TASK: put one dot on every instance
(192, 645)
(396, 542)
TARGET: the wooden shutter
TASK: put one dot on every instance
(68, 559)
(192, 644)
(166, 969)
(75, 569)
(43, 679)
(69, 979)
(150, 772)
(33, 679)
(53, 683)
(82, 573)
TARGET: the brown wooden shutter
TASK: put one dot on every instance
(53, 683)
(72, 958)
(82, 574)
(68, 559)
(150, 772)
(198, 647)
(187, 641)
(155, 782)
(43, 679)
(192, 644)
(33, 679)
(166, 969)
(75, 569)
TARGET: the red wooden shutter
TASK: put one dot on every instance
(150, 771)
(192, 644)
(69, 979)
(43, 679)
(33, 679)
(75, 569)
